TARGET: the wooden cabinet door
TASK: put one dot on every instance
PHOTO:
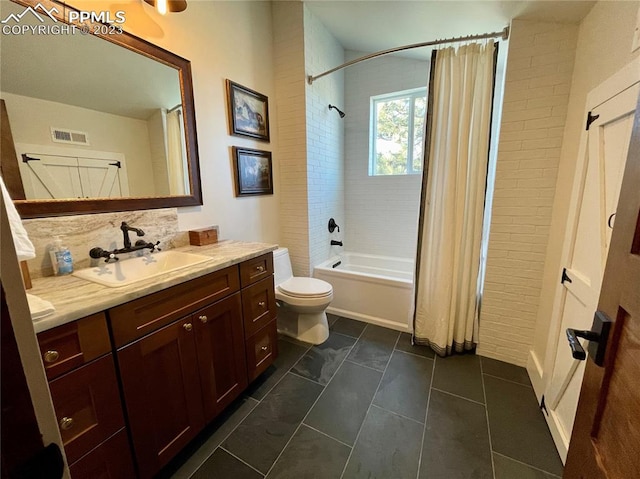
(162, 394)
(110, 460)
(221, 357)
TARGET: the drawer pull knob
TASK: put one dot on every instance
(187, 326)
(259, 269)
(204, 319)
(262, 304)
(264, 348)
(66, 423)
(51, 356)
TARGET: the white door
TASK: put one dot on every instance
(50, 177)
(595, 194)
(102, 178)
(65, 173)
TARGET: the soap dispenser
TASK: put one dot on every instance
(61, 258)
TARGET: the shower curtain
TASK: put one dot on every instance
(175, 156)
(453, 192)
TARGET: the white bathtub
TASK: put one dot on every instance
(375, 289)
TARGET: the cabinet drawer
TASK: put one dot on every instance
(110, 460)
(256, 269)
(87, 405)
(258, 305)
(142, 316)
(262, 349)
(74, 344)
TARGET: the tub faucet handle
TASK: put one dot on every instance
(336, 243)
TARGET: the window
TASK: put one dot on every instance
(397, 133)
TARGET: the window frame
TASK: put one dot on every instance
(412, 94)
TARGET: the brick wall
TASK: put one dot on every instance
(381, 211)
(537, 83)
(288, 18)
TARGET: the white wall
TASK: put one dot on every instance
(31, 121)
(288, 21)
(381, 211)
(222, 40)
(538, 77)
(603, 48)
(325, 139)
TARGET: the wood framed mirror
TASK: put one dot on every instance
(94, 122)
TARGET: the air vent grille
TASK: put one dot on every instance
(70, 137)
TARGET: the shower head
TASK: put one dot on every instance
(340, 112)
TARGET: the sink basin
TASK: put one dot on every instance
(129, 271)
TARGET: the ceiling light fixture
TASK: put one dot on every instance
(164, 6)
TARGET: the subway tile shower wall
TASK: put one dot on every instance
(538, 80)
(381, 211)
(325, 139)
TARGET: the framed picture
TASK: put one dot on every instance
(253, 172)
(248, 112)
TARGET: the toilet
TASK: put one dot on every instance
(301, 302)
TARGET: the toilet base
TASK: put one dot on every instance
(308, 327)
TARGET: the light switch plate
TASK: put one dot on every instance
(636, 34)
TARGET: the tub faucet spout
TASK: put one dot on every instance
(336, 243)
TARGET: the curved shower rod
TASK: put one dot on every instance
(504, 34)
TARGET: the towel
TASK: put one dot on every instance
(39, 307)
(24, 246)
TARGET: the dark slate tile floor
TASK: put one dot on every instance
(368, 404)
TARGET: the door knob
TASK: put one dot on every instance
(187, 326)
(597, 337)
(203, 319)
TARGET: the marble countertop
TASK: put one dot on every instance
(75, 298)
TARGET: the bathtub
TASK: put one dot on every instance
(374, 289)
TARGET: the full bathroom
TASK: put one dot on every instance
(318, 287)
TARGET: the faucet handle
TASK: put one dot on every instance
(96, 253)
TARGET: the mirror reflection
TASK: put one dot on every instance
(91, 119)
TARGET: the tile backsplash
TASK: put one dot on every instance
(80, 233)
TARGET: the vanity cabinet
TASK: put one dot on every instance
(174, 360)
(183, 354)
(86, 398)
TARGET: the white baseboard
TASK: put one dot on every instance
(369, 319)
(534, 369)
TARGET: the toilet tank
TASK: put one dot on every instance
(282, 265)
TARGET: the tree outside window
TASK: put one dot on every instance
(397, 133)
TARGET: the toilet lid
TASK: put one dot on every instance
(305, 287)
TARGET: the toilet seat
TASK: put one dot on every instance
(306, 288)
